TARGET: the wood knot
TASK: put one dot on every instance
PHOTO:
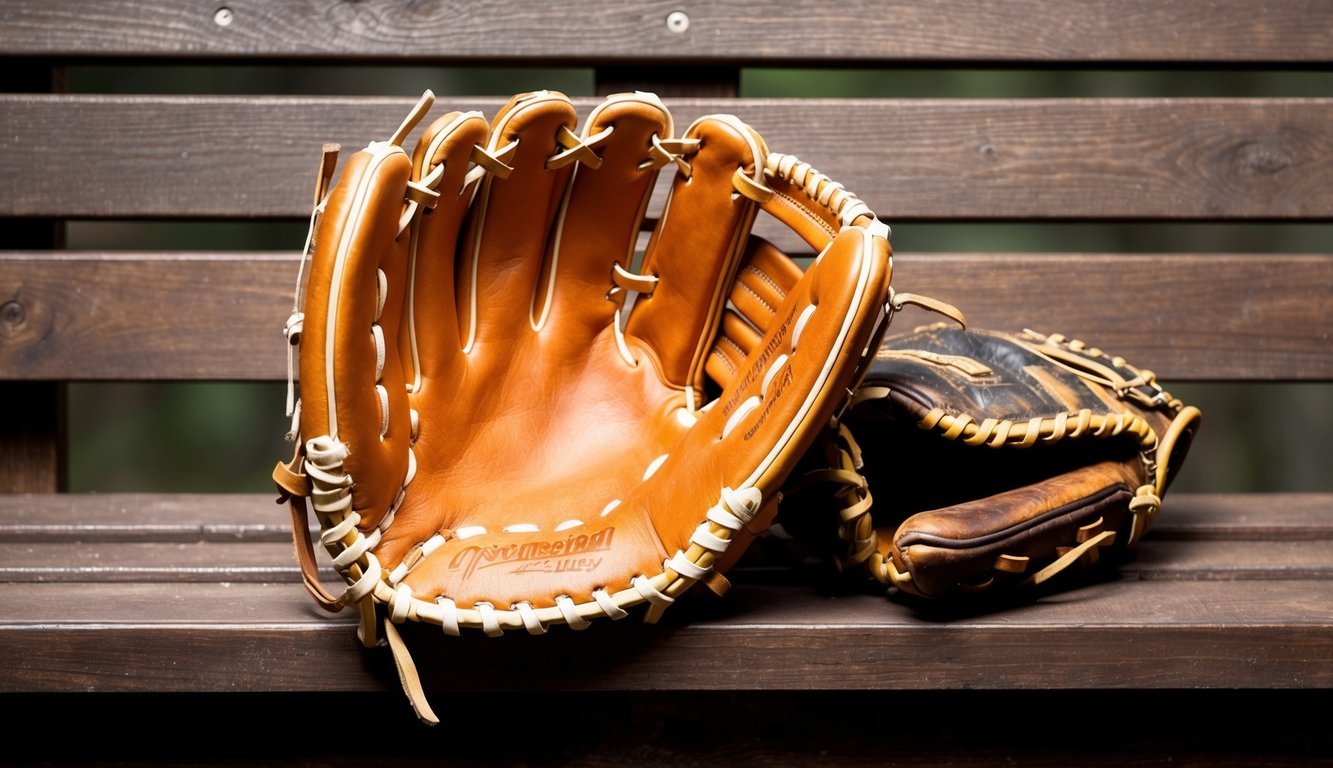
(1260, 158)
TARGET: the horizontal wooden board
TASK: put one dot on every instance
(248, 517)
(1230, 560)
(87, 316)
(1243, 517)
(100, 562)
(183, 562)
(245, 538)
(143, 517)
(248, 637)
(749, 31)
(928, 159)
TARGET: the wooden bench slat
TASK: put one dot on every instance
(1245, 516)
(244, 517)
(1157, 159)
(113, 518)
(246, 637)
(99, 562)
(243, 538)
(249, 561)
(220, 315)
(1193, 31)
(1230, 560)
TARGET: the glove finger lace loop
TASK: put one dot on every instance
(485, 161)
(665, 151)
(626, 288)
(577, 149)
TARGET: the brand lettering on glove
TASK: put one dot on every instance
(775, 388)
(537, 556)
(556, 565)
(756, 372)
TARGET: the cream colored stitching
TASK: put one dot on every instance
(762, 275)
(771, 309)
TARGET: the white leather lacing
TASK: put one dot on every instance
(663, 151)
(626, 288)
(485, 161)
(734, 510)
(331, 497)
(831, 195)
(1141, 386)
(581, 149)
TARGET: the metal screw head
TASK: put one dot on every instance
(677, 21)
(12, 313)
(223, 17)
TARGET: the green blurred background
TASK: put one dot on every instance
(225, 437)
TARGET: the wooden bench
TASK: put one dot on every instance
(173, 626)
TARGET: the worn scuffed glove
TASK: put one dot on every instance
(982, 460)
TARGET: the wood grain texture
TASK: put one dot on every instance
(1244, 517)
(180, 562)
(749, 31)
(220, 315)
(142, 517)
(1154, 159)
(84, 607)
(249, 517)
(255, 637)
(261, 562)
(244, 538)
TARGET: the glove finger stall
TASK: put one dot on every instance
(352, 386)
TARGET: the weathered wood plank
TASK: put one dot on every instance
(773, 32)
(248, 517)
(258, 562)
(909, 159)
(1230, 560)
(141, 517)
(179, 562)
(220, 315)
(1115, 635)
(1246, 517)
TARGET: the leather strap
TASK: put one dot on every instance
(305, 555)
(293, 487)
(407, 675)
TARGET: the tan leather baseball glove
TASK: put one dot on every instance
(507, 420)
